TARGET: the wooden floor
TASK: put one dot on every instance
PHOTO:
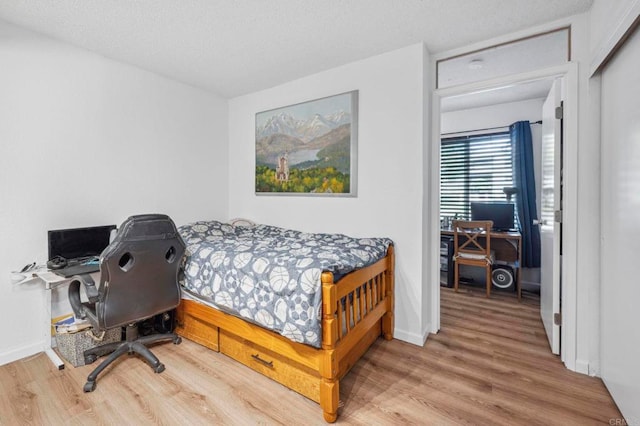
(490, 364)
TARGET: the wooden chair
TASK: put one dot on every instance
(472, 246)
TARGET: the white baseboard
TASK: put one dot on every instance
(19, 353)
(413, 338)
(582, 366)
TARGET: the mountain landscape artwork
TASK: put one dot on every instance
(308, 148)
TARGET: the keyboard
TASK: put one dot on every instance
(79, 269)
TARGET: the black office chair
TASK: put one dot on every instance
(138, 280)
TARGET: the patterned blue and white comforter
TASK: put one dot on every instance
(270, 275)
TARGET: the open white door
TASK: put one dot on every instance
(549, 228)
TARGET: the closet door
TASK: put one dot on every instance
(620, 215)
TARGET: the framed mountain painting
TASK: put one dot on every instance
(308, 148)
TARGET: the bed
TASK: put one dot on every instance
(307, 342)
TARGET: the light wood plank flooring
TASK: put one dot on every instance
(490, 364)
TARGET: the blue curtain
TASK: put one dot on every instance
(526, 195)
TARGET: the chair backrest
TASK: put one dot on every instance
(472, 237)
(139, 271)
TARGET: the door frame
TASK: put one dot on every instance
(568, 275)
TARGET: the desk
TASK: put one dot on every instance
(49, 281)
(508, 248)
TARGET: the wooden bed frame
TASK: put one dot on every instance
(350, 324)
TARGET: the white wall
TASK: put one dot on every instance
(89, 141)
(496, 115)
(604, 18)
(390, 167)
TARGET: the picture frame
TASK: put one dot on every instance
(308, 148)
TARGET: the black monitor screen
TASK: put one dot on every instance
(79, 242)
(500, 213)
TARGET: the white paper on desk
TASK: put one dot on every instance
(17, 277)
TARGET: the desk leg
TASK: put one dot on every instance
(55, 359)
(46, 330)
(519, 282)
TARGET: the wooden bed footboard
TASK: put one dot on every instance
(355, 312)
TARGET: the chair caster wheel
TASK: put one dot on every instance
(89, 387)
(159, 368)
(177, 340)
(90, 359)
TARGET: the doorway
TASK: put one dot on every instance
(568, 72)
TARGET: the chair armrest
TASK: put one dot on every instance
(74, 293)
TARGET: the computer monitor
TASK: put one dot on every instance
(79, 242)
(500, 213)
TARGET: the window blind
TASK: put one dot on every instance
(547, 206)
(474, 168)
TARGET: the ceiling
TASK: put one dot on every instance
(236, 47)
(538, 89)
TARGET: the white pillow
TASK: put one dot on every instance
(241, 222)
